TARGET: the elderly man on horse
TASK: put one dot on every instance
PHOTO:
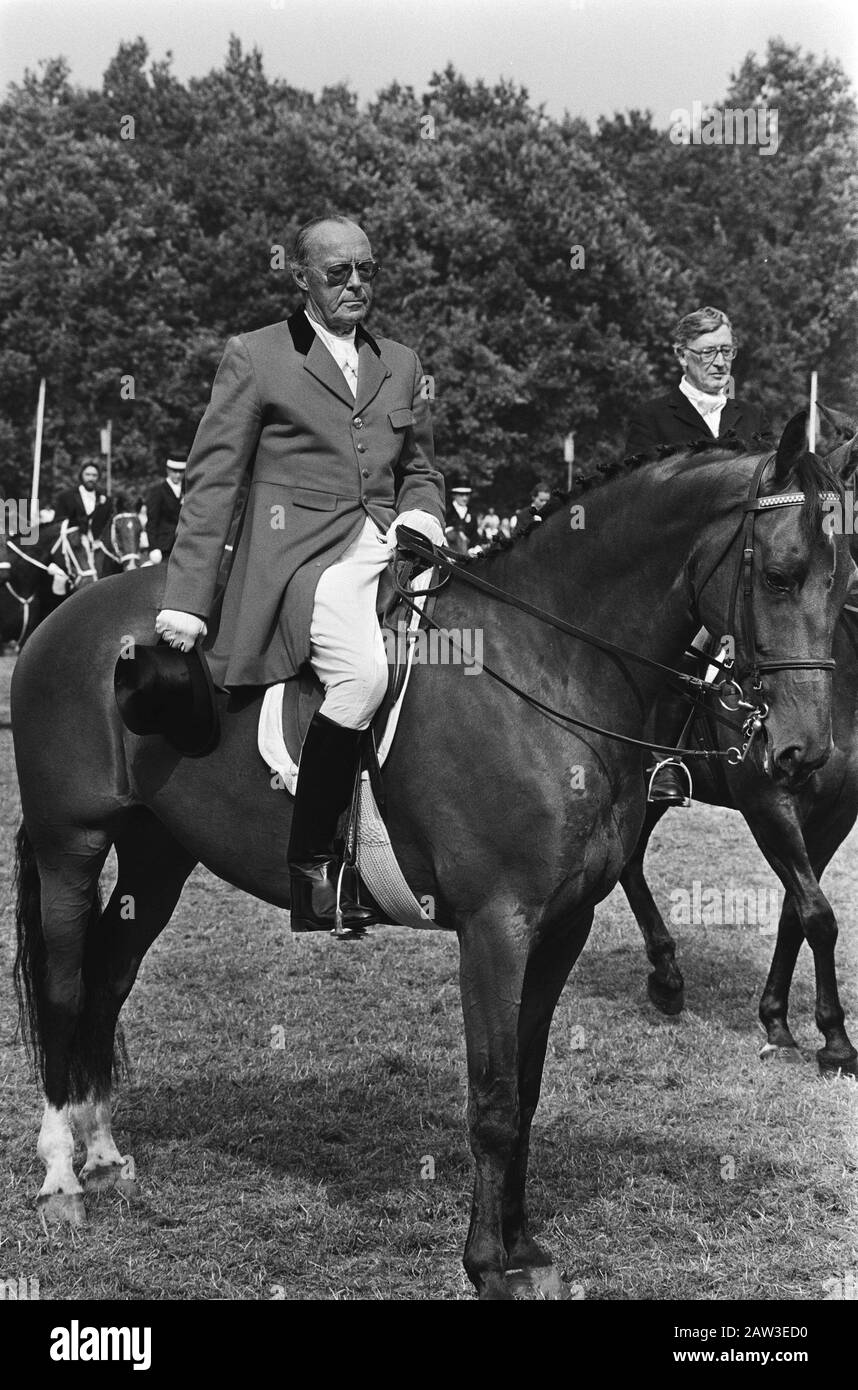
(333, 426)
(698, 408)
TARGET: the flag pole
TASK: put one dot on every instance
(811, 424)
(37, 450)
(107, 448)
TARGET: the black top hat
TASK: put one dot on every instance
(161, 690)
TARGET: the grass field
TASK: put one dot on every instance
(291, 1100)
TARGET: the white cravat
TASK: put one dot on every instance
(709, 407)
(343, 350)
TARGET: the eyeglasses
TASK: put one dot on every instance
(709, 354)
(341, 273)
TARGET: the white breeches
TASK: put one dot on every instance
(346, 648)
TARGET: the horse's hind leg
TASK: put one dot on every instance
(153, 869)
(530, 1270)
(665, 984)
(68, 879)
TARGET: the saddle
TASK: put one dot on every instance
(161, 690)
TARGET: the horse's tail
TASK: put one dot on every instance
(30, 957)
(30, 962)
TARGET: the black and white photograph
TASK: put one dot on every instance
(429, 666)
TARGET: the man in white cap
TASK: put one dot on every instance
(163, 505)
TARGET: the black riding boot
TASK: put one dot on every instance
(670, 783)
(326, 777)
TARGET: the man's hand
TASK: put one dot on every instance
(155, 556)
(424, 522)
(179, 629)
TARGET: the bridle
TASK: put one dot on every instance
(728, 691)
(71, 564)
(114, 553)
(731, 695)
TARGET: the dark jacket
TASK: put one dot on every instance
(467, 524)
(672, 419)
(319, 462)
(162, 517)
(69, 507)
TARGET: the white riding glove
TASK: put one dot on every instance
(179, 629)
(424, 522)
(155, 556)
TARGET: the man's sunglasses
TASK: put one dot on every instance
(709, 354)
(341, 273)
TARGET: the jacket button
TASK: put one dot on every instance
(357, 422)
(361, 448)
(365, 472)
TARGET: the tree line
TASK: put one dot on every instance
(538, 265)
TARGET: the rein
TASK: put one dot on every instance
(728, 692)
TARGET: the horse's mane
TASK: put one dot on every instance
(603, 474)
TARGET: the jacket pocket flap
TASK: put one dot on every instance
(319, 501)
(400, 418)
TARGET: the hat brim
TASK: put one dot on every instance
(161, 690)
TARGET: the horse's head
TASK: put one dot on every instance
(73, 552)
(126, 529)
(780, 577)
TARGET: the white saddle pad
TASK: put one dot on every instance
(377, 863)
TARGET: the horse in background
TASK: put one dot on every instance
(798, 832)
(117, 548)
(43, 569)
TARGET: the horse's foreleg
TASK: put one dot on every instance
(774, 1002)
(820, 928)
(530, 1268)
(665, 985)
(493, 955)
(799, 859)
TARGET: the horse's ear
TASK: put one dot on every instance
(793, 443)
(844, 459)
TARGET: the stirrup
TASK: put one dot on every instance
(676, 762)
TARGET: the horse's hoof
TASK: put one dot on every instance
(62, 1208)
(537, 1282)
(112, 1177)
(770, 1052)
(667, 1001)
(833, 1066)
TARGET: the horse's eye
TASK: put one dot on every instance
(778, 583)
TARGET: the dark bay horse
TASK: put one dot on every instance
(117, 549)
(798, 831)
(516, 863)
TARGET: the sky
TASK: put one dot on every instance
(588, 57)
